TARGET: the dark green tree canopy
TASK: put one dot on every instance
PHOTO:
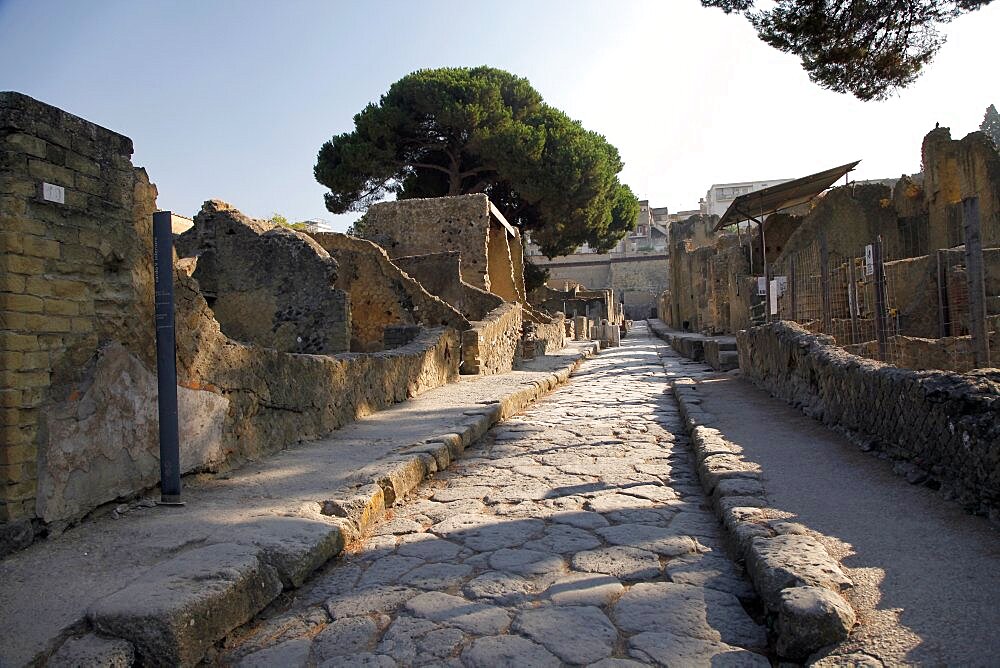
(991, 125)
(455, 131)
(869, 48)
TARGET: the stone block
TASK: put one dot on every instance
(179, 609)
(20, 264)
(24, 143)
(22, 303)
(82, 164)
(91, 651)
(400, 478)
(16, 533)
(12, 283)
(363, 508)
(46, 171)
(14, 341)
(790, 560)
(10, 398)
(294, 546)
(810, 618)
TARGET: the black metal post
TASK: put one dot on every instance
(824, 283)
(166, 364)
(852, 300)
(881, 302)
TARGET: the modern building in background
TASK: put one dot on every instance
(721, 195)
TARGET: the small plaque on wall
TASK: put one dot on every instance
(53, 193)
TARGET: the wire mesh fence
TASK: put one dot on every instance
(896, 299)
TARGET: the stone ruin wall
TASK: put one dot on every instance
(77, 405)
(423, 226)
(441, 275)
(491, 259)
(713, 291)
(266, 284)
(493, 345)
(381, 294)
(944, 426)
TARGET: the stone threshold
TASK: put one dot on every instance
(96, 593)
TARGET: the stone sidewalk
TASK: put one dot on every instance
(177, 579)
(926, 575)
(576, 534)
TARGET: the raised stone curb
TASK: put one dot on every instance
(720, 353)
(783, 562)
(175, 614)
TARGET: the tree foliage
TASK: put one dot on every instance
(869, 48)
(991, 125)
(454, 131)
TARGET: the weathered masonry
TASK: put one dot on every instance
(883, 267)
(280, 337)
(944, 426)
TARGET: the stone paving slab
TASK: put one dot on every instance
(291, 512)
(575, 534)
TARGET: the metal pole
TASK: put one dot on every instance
(767, 282)
(852, 299)
(791, 280)
(166, 364)
(976, 281)
(881, 307)
(824, 283)
(942, 286)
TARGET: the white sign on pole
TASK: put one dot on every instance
(774, 296)
(761, 286)
(869, 260)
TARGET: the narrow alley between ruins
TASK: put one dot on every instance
(576, 533)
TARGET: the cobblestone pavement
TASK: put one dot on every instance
(574, 534)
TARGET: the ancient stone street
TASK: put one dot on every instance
(576, 533)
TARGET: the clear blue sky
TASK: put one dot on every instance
(232, 100)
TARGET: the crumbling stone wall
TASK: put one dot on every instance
(381, 295)
(69, 274)
(849, 217)
(711, 289)
(548, 331)
(77, 402)
(493, 345)
(946, 426)
(501, 267)
(422, 226)
(953, 170)
(267, 284)
(441, 275)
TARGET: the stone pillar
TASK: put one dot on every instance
(580, 325)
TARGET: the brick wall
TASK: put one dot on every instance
(943, 425)
(68, 271)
